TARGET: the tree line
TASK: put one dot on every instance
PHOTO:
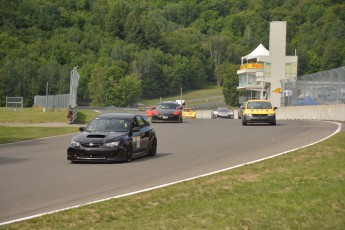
(127, 50)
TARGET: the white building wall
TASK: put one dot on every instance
(277, 58)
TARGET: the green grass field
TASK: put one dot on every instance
(209, 94)
(30, 116)
(10, 134)
(36, 115)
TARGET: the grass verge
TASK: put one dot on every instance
(32, 116)
(209, 93)
(304, 189)
(10, 134)
(36, 115)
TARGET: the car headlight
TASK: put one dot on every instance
(75, 144)
(247, 114)
(111, 144)
(270, 115)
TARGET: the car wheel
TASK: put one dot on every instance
(244, 122)
(128, 153)
(153, 146)
(273, 123)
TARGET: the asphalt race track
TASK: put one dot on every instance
(35, 176)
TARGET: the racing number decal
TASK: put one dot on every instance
(137, 141)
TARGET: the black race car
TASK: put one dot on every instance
(113, 137)
(168, 111)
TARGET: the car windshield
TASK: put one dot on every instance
(108, 125)
(259, 105)
(223, 110)
(166, 106)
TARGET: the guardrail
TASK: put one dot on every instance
(310, 112)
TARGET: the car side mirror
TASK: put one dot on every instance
(275, 108)
(136, 129)
(81, 129)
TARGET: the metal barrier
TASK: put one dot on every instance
(315, 112)
(60, 101)
(14, 103)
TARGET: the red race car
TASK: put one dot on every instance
(149, 111)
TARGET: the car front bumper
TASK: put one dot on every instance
(165, 118)
(259, 118)
(189, 116)
(96, 155)
(231, 116)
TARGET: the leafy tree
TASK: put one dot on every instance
(96, 85)
(110, 86)
(165, 44)
(127, 91)
(185, 42)
(98, 11)
(49, 17)
(146, 66)
(217, 49)
(116, 17)
(49, 72)
(313, 63)
(133, 29)
(230, 84)
(220, 72)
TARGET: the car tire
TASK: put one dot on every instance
(153, 146)
(273, 123)
(244, 122)
(128, 153)
(180, 120)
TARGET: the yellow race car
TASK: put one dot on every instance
(259, 111)
(188, 112)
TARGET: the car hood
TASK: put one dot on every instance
(87, 137)
(224, 113)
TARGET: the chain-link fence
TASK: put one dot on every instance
(60, 101)
(14, 103)
(322, 88)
